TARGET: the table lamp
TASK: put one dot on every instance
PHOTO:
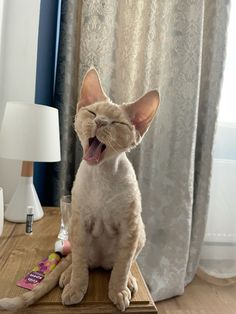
(29, 132)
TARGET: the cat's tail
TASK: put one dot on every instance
(30, 297)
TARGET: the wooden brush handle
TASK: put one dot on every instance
(27, 169)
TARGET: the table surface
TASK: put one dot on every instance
(20, 253)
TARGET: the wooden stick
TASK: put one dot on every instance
(27, 169)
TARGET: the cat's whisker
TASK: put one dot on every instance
(109, 143)
(111, 139)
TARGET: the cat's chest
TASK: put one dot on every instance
(100, 207)
(102, 200)
(102, 197)
(94, 190)
(102, 192)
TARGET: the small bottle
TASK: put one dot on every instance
(29, 220)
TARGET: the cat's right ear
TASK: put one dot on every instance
(91, 89)
(142, 111)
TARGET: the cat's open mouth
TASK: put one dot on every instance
(94, 151)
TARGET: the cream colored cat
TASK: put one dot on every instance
(106, 226)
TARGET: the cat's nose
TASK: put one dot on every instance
(100, 122)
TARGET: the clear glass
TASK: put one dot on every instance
(65, 206)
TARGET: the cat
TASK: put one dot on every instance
(106, 227)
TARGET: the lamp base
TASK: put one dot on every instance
(25, 195)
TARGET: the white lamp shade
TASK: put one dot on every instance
(30, 132)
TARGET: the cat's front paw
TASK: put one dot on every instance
(132, 284)
(120, 297)
(72, 294)
(65, 277)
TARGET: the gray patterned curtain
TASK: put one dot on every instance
(178, 47)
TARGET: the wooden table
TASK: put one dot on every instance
(20, 253)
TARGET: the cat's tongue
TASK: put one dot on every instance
(94, 152)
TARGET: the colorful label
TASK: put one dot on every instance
(39, 272)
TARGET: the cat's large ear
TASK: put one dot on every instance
(142, 111)
(91, 89)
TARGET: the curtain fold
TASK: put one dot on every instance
(174, 46)
(218, 255)
(66, 92)
(213, 52)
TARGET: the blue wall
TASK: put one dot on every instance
(49, 22)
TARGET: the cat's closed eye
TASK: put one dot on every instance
(121, 122)
(91, 112)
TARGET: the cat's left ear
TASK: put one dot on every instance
(91, 90)
(142, 111)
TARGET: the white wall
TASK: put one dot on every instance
(227, 108)
(18, 55)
